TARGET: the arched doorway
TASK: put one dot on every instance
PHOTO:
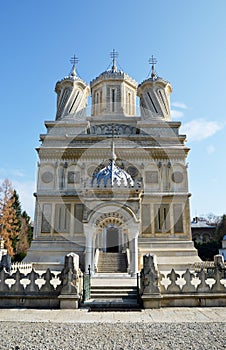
(112, 240)
(111, 229)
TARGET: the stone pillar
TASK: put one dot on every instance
(89, 249)
(70, 287)
(53, 206)
(72, 220)
(152, 220)
(134, 251)
(37, 219)
(172, 223)
(150, 291)
(134, 256)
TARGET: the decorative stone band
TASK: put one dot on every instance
(109, 75)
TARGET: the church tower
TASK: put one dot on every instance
(154, 96)
(72, 95)
(113, 92)
(113, 181)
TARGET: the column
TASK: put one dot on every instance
(134, 252)
(89, 248)
(134, 246)
(152, 219)
(37, 219)
(172, 222)
(53, 206)
(72, 221)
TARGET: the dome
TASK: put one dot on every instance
(112, 175)
(72, 95)
(113, 92)
(154, 94)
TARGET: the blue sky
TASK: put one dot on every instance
(187, 38)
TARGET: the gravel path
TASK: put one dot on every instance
(108, 336)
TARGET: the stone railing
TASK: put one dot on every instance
(42, 290)
(25, 268)
(203, 288)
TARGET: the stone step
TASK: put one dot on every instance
(113, 279)
(112, 296)
(113, 305)
(107, 295)
(113, 289)
(111, 270)
(109, 262)
(112, 262)
(113, 292)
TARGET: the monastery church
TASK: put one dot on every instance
(112, 186)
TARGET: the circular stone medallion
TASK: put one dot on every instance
(47, 177)
(177, 177)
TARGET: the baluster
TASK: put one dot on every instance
(188, 287)
(173, 287)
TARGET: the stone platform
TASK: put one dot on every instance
(166, 315)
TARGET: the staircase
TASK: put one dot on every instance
(112, 263)
(112, 288)
(113, 298)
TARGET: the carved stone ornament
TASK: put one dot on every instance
(47, 177)
(177, 177)
(132, 170)
(151, 177)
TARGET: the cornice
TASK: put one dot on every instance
(114, 76)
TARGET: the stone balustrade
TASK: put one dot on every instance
(32, 289)
(41, 290)
(190, 288)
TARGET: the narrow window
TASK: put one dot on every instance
(96, 105)
(101, 107)
(63, 100)
(129, 103)
(152, 102)
(164, 218)
(97, 98)
(113, 99)
(159, 219)
(74, 102)
(59, 219)
(65, 218)
(163, 101)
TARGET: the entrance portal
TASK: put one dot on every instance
(112, 240)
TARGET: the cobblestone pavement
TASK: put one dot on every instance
(108, 336)
(163, 329)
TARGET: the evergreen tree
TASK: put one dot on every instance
(17, 207)
(220, 230)
(8, 216)
(25, 237)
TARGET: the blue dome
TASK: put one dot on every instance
(112, 175)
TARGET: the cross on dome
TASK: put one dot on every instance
(112, 175)
(73, 61)
(113, 155)
(152, 60)
(114, 55)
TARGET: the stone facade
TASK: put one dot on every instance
(202, 231)
(76, 214)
